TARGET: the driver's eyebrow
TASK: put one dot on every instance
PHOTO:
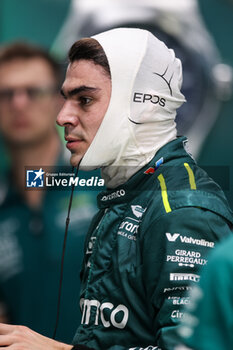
(77, 90)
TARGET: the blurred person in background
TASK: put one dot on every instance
(207, 324)
(32, 222)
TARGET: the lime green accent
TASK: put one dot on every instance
(192, 182)
(164, 193)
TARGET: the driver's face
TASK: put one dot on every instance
(87, 92)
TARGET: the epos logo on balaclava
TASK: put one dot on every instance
(140, 97)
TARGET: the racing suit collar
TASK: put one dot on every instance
(123, 193)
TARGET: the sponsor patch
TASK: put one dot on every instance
(113, 195)
(172, 237)
(138, 210)
(184, 277)
(186, 258)
(140, 97)
(178, 288)
(151, 170)
(180, 300)
(129, 228)
(105, 314)
(177, 314)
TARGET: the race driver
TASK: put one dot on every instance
(161, 214)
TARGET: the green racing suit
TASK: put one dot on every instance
(144, 250)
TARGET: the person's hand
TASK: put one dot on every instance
(23, 338)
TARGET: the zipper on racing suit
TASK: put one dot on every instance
(92, 258)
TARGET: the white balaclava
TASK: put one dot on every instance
(140, 119)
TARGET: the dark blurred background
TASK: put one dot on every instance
(38, 21)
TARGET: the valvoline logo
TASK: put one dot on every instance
(151, 170)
